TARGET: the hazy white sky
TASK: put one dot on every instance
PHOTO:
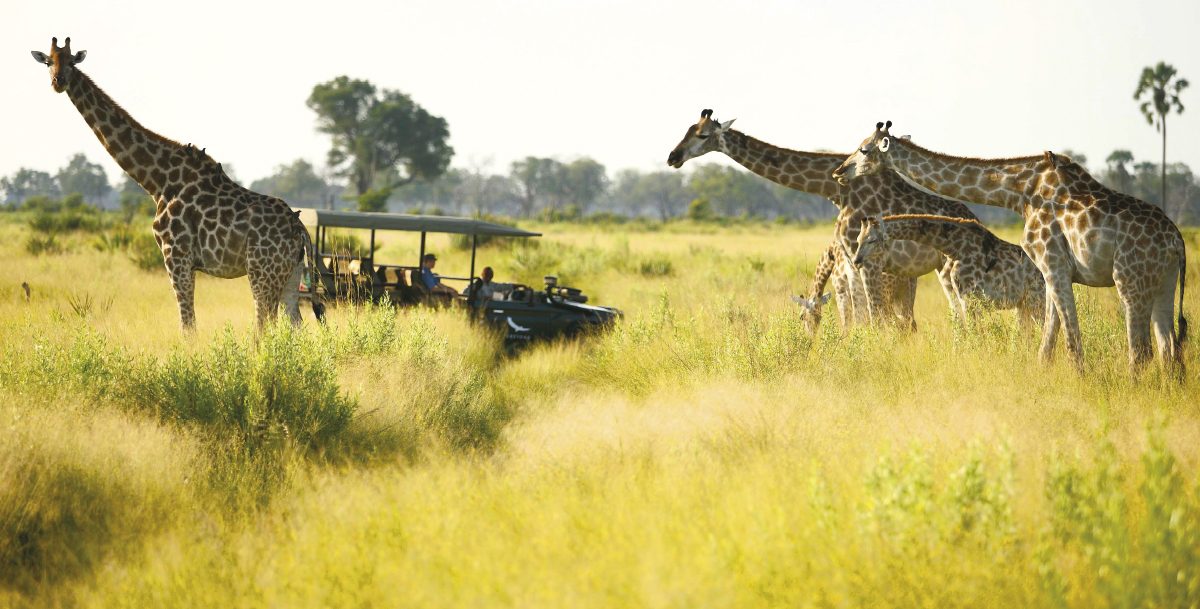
(618, 81)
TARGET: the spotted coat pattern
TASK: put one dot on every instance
(1076, 231)
(204, 221)
(812, 172)
(987, 270)
(834, 264)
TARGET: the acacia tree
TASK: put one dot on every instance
(379, 135)
(1162, 88)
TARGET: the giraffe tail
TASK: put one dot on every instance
(309, 255)
(1182, 334)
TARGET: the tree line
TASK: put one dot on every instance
(387, 153)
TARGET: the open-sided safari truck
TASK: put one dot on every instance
(523, 314)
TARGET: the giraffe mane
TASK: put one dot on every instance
(952, 158)
(752, 142)
(123, 112)
(935, 218)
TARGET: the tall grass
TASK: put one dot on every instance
(706, 451)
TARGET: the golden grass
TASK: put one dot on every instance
(706, 453)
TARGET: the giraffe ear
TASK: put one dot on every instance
(40, 57)
(78, 58)
(825, 298)
(725, 125)
(884, 144)
(906, 137)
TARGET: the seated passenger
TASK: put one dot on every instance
(487, 289)
(432, 282)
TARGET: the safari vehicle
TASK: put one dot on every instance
(523, 315)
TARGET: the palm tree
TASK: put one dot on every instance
(1163, 89)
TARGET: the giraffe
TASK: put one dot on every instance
(1076, 231)
(204, 221)
(811, 172)
(834, 258)
(986, 270)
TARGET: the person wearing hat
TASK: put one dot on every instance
(432, 282)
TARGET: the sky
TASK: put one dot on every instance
(618, 81)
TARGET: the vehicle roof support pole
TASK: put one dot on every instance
(471, 277)
(371, 253)
(421, 260)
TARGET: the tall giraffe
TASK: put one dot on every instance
(1076, 231)
(987, 269)
(812, 172)
(204, 221)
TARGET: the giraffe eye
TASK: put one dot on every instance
(703, 136)
(864, 151)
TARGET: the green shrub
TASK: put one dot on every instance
(117, 239)
(144, 253)
(283, 386)
(656, 267)
(40, 245)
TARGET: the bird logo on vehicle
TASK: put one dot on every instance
(512, 324)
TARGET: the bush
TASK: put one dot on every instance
(283, 387)
(700, 210)
(144, 252)
(48, 244)
(656, 267)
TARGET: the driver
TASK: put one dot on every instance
(488, 289)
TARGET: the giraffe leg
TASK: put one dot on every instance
(291, 295)
(858, 295)
(1162, 318)
(841, 292)
(1137, 330)
(183, 281)
(1064, 302)
(268, 277)
(906, 301)
(1049, 327)
(872, 281)
(945, 278)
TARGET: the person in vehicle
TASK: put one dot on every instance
(487, 289)
(431, 280)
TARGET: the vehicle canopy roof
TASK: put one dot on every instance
(408, 222)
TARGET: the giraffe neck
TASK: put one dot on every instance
(959, 240)
(823, 271)
(142, 153)
(1007, 183)
(810, 172)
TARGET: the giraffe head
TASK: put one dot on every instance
(871, 156)
(871, 236)
(701, 138)
(810, 309)
(61, 62)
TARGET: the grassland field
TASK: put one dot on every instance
(708, 452)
